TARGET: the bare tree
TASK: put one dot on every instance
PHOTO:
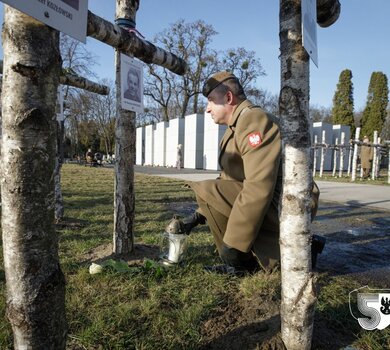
(176, 94)
(35, 282)
(103, 112)
(243, 63)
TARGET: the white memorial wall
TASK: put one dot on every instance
(149, 145)
(139, 146)
(159, 141)
(317, 130)
(213, 134)
(193, 141)
(337, 134)
(175, 136)
(200, 138)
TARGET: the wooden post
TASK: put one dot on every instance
(323, 150)
(374, 158)
(335, 150)
(315, 156)
(125, 135)
(355, 154)
(349, 159)
(342, 146)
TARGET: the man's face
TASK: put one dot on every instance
(218, 107)
(132, 82)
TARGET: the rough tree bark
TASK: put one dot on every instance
(125, 134)
(34, 281)
(298, 293)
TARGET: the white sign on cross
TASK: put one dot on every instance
(67, 16)
(309, 28)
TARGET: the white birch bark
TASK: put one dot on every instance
(125, 135)
(298, 292)
(34, 281)
(355, 154)
(374, 158)
(83, 83)
(342, 147)
(131, 45)
(323, 151)
(335, 157)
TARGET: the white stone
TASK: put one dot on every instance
(149, 144)
(175, 136)
(140, 146)
(193, 141)
(213, 134)
(159, 144)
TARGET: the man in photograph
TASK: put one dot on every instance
(133, 85)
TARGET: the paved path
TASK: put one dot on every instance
(347, 193)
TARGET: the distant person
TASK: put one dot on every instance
(133, 91)
(179, 158)
(366, 155)
(89, 156)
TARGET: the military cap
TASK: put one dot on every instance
(215, 80)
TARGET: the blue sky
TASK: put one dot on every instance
(359, 40)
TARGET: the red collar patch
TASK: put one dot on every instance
(255, 139)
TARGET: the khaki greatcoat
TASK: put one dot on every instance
(241, 206)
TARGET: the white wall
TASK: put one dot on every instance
(175, 136)
(149, 144)
(213, 134)
(337, 130)
(140, 146)
(193, 141)
(317, 130)
(159, 144)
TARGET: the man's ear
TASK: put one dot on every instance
(230, 97)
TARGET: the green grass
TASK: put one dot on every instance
(144, 309)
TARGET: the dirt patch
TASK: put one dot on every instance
(358, 245)
(135, 258)
(243, 324)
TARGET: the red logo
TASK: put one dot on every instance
(255, 139)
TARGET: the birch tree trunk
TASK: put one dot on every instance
(34, 281)
(298, 293)
(125, 134)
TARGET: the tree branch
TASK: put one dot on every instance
(129, 43)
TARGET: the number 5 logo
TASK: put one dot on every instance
(371, 303)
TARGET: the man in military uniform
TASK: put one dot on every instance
(241, 206)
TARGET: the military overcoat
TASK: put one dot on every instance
(248, 189)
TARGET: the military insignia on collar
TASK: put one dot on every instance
(255, 139)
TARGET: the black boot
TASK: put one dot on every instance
(317, 246)
(192, 221)
(237, 263)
